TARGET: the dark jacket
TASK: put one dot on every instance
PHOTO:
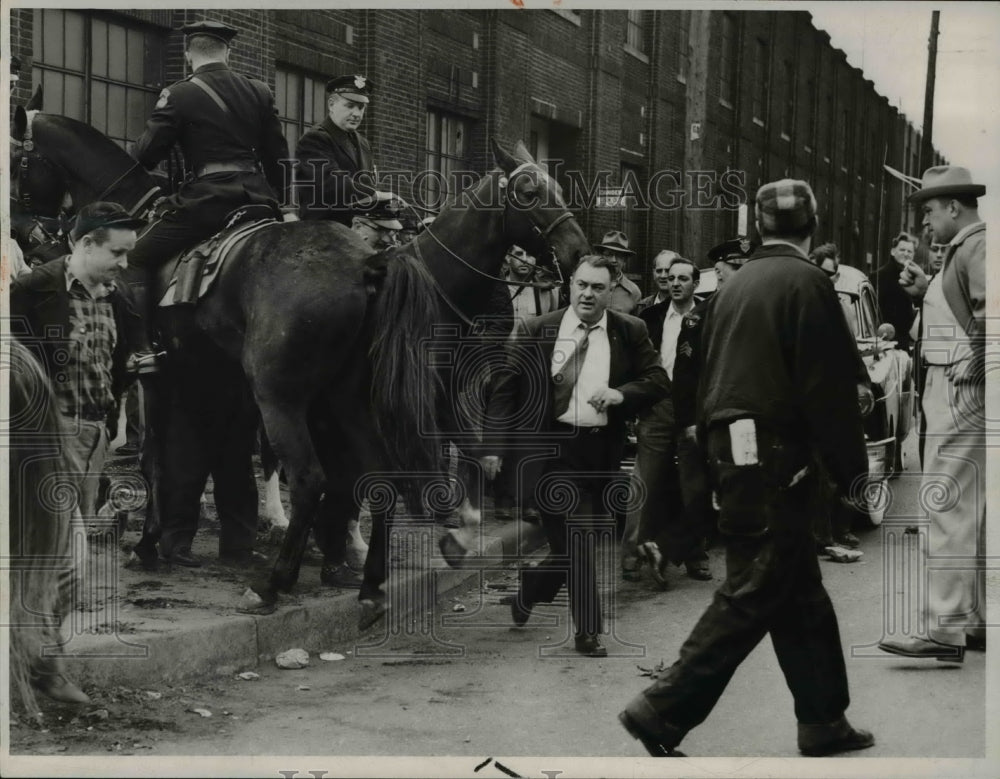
(895, 306)
(524, 390)
(39, 305)
(246, 133)
(334, 169)
(687, 365)
(777, 348)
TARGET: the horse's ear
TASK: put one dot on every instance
(20, 123)
(521, 152)
(35, 104)
(503, 159)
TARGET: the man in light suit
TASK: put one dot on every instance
(573, 378)
(953, 344)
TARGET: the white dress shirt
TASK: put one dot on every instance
(594, 373)
(668, 344)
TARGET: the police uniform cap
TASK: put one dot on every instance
(354, 87)
(383, 209)
(218, 30)
(735, 252)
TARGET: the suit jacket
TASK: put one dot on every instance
(524, 389)
(894, 304)
(327, 191)
(39, 303)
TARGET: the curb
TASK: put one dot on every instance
(194, 644)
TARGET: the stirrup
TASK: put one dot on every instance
(145, 362)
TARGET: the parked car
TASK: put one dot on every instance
(891, 372)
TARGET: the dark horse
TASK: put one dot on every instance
(338, 372)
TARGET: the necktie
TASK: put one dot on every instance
(566, 376)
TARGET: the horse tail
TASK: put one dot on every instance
(39, 523)
(406, 388)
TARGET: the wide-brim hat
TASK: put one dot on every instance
(217, 30)
(616, 241)
(944, 180)
(354, 87)
(735, 251)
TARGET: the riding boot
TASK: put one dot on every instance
(143, 358)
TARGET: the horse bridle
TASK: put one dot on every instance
(543, 233)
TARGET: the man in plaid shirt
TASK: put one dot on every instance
(72, 315)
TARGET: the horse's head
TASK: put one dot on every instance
(38, 186)
(536, 216)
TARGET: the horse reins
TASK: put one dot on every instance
(542, 233)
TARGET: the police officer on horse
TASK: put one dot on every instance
(228, 130)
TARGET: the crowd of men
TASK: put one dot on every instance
(752, 396)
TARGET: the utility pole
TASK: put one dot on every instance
(927, 145)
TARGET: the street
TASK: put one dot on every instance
(482, 687)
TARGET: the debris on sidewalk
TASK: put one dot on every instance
(330, 656)
(292, 659)
(97, 714)
(303, 688)
(153, 696)
(202, 712)
(458, 607)
(839, 554)
(248, 676)
(655, 671)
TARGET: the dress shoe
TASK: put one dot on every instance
(631, 574)
(651, 742)
(925, 649)
(590, 646)
(452, 550)
(823, 740)
(847, 540)
(183, 557)
(340, 575)
(698, 570)
(519, 611)
(650, 553)
(531, 515)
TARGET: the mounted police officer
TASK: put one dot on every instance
(228, 130)
(335, 168)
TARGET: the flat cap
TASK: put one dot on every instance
(785, 206)
(944, 180)
(99, 214)
(218, 30)
(735, 251)
(353, 87)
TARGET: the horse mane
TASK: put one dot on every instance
(39, 522)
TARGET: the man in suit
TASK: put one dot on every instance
(573, 378)
(625, 294)
(777, 389)
(661, 530)
(894, 304)
(953, 345)
(335, 167)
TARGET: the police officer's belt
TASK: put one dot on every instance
(225, 167)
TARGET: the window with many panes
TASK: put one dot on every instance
(683, 30)
(301, 102)
(447, 152)
(761, 77)
(635, 34)
(98, 69)
(727, 60)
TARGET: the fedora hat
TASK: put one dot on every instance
(943, 180)
(616, 241)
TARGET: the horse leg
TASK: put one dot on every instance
(150, 465)
(456, 544)
(287, 428)
(274, 511)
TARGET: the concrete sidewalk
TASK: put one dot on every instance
(136, 628)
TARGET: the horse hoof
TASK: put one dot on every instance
(371, 612)
(252, 603)
(452, 550)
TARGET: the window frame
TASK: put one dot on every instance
(282, 72)
(438, 158)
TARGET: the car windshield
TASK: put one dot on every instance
(847, 303)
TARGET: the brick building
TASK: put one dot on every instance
(655, 122)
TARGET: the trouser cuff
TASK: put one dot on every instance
(810, 733)
(643, 713)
